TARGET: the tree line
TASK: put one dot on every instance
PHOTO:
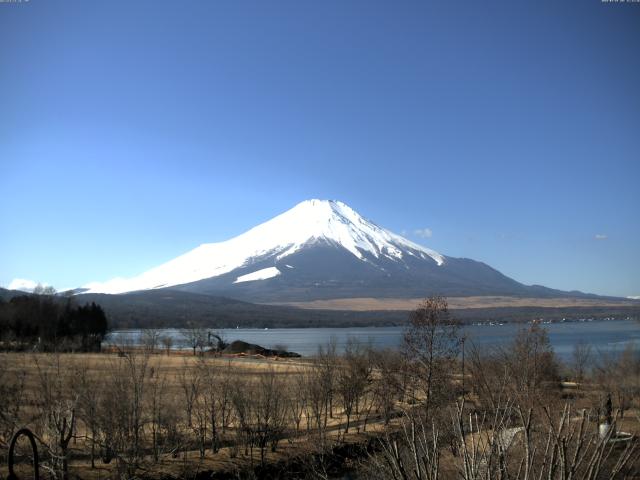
(45, 321)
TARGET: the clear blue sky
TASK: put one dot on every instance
(133, 131)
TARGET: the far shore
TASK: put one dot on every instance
(363, 304)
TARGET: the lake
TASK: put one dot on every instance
(602, 335)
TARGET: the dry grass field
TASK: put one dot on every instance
(143, 413)
(375, 304)
(181, 383)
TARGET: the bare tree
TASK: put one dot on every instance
(410, 454)
(490, 378)
(57, 412)
(241, 393)
(189, 380)
(269, 411)
(431, 345)
(225, 379)
(388, 382)
(151, 339)
(326, 362)
(202, 409)
(167, 343)
(515, 443)
(160, 415)
(210, 402)
(582, 356)
(122, 407)
(619, 374)
(194, 337)
(532, 366)
(12, 392)
(87, 390)
(297, 399)
(317, 394)
(47, 290)
(354, 375)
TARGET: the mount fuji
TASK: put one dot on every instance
(321, 249)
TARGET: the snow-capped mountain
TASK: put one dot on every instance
(309, 222)
(318, 249)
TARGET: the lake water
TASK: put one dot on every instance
(602, 335)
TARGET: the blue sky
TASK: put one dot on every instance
(133, 131)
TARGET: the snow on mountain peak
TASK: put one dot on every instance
(308, 222)
(336, 222)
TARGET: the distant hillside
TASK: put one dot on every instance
(173, 308)
(169, 308)
(7, 294)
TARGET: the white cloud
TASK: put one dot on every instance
(634, 297)
(25, 285)
(22, 284)
(423, 232)
(601, 236)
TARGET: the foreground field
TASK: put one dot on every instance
(499, 413)
(176, 414)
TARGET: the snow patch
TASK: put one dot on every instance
(263, 274)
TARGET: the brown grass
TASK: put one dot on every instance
(372, 304)
(171, 366)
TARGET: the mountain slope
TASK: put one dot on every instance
(307, 224)
(318, 250)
